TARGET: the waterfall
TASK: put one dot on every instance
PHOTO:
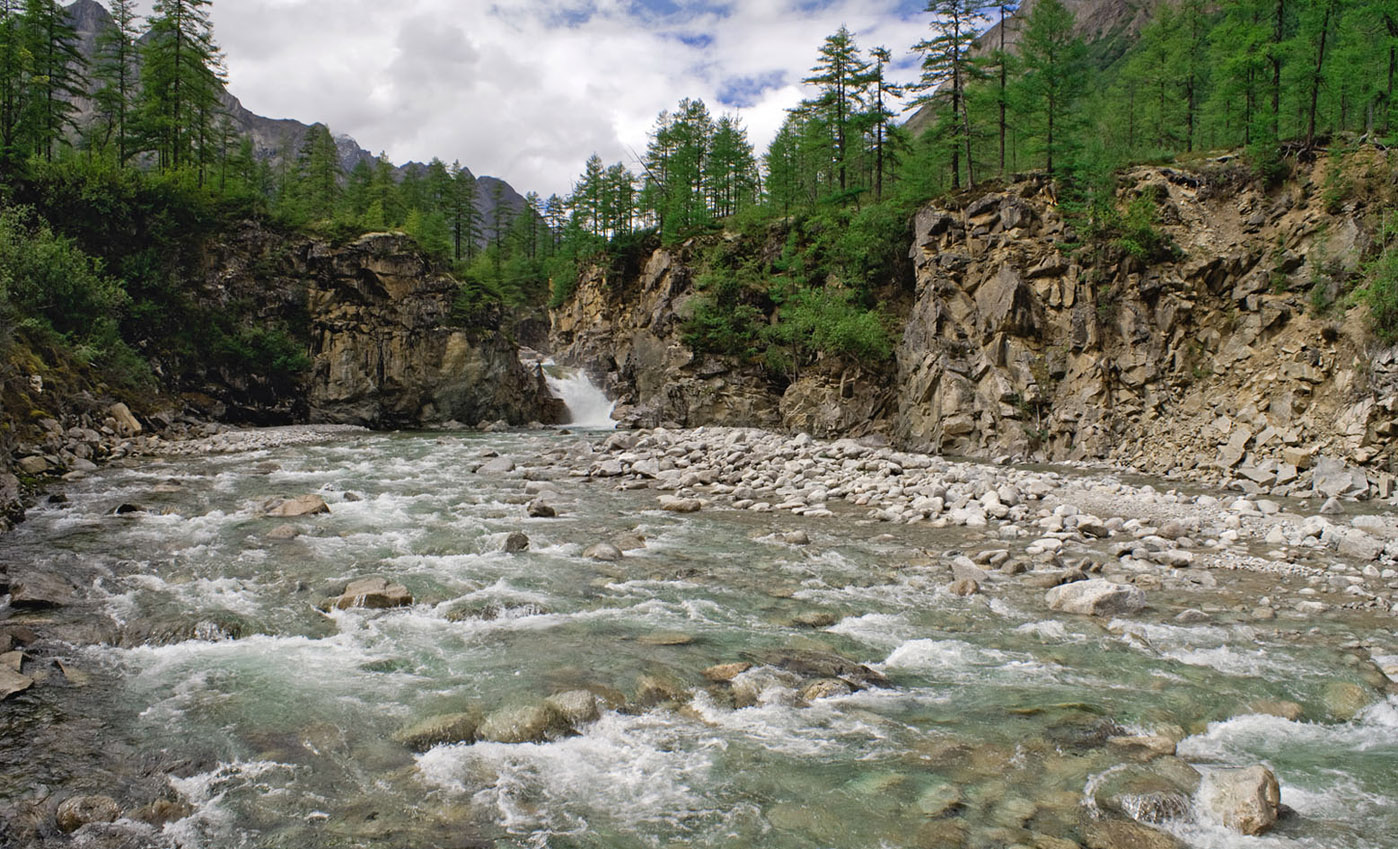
(588, 406)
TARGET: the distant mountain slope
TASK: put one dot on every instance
(1107, 26)
(274, 139)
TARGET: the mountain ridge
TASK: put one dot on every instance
(274, 139)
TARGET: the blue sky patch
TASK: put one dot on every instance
(743, 92)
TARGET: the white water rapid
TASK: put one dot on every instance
(588, 406)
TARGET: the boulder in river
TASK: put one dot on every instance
(78, 811)
(1245, 800)
(524, 724)
(440, 730)
(671, 504)
(577, 707)
(1096, 598)
(1125, 834)
(815, 664)
(304, 505)
(825, 688)
(374, 593)
(12, 682)
(516, 542)
(540, 509)
(40, 590)
(604, 552)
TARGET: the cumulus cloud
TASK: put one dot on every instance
(527, 89)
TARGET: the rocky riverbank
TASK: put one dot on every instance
(1116, 557)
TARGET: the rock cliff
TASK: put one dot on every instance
(624, 325)
(1230, 356)
(388, 351)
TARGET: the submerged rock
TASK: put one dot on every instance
(577, 707)
(604, 552)
(516, 542)
(1245, 800)
(540, 509)
(671, 504)
(374, 593)
(524, 724)
(304, 505)
(12, 682)
(40, 590)
(78, 811)
(814, 664)
(440, 730)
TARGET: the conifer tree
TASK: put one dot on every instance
(878, 118)
(840, 75)
(1055, 76)
(56, 75)
(946, 71)
(463, 217)
(318, 174)
(116, 73)
(181, 80)
(15, 65)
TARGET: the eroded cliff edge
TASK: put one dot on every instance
(1227, 352)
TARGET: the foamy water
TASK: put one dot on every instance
(280, 717)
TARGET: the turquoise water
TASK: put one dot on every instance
(279, 717)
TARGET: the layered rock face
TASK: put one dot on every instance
(388, 353)
(1220, 358)
(626, 328)
(1219, 362)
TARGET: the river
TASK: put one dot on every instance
(220, 685)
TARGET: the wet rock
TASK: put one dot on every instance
(498, 466)
(825, 688)
(126, 424)
(814, 619)
(604, 552)
(1125, 834)
(725, 672)
(445, 729)
(1345, 700)
(540, 509)
(796, 538)
(1151, 794)
(283, 533)
(655, 690)
(374, 593)
(939, 800)
(524, 724)
(1290, 711)
(40, 590)
(666, 638)
(629, 542)
(162, 811)
(1245, 800)
(516, 542)
(815, 664)
(78, 811)
(128, 510)
(1096, 598)
(964, 587)
(12, 682)
(671, 504)
(1145, 745)
(305, 505)
(577, 707)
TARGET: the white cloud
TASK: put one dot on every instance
(527, 89)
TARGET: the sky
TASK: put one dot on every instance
(527, 90)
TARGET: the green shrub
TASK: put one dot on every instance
(1380, 294)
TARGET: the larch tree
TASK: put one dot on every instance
(116, 72)
(1055, 76)
(56, 75)
(181, 80)
(878, 118)
(839, 76)
(15, 64)
(946, 71)
(463, 214)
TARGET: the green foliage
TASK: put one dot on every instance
(1140, 237)
(1380, 290)
(269, 351)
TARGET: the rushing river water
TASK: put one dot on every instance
(275, 720)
